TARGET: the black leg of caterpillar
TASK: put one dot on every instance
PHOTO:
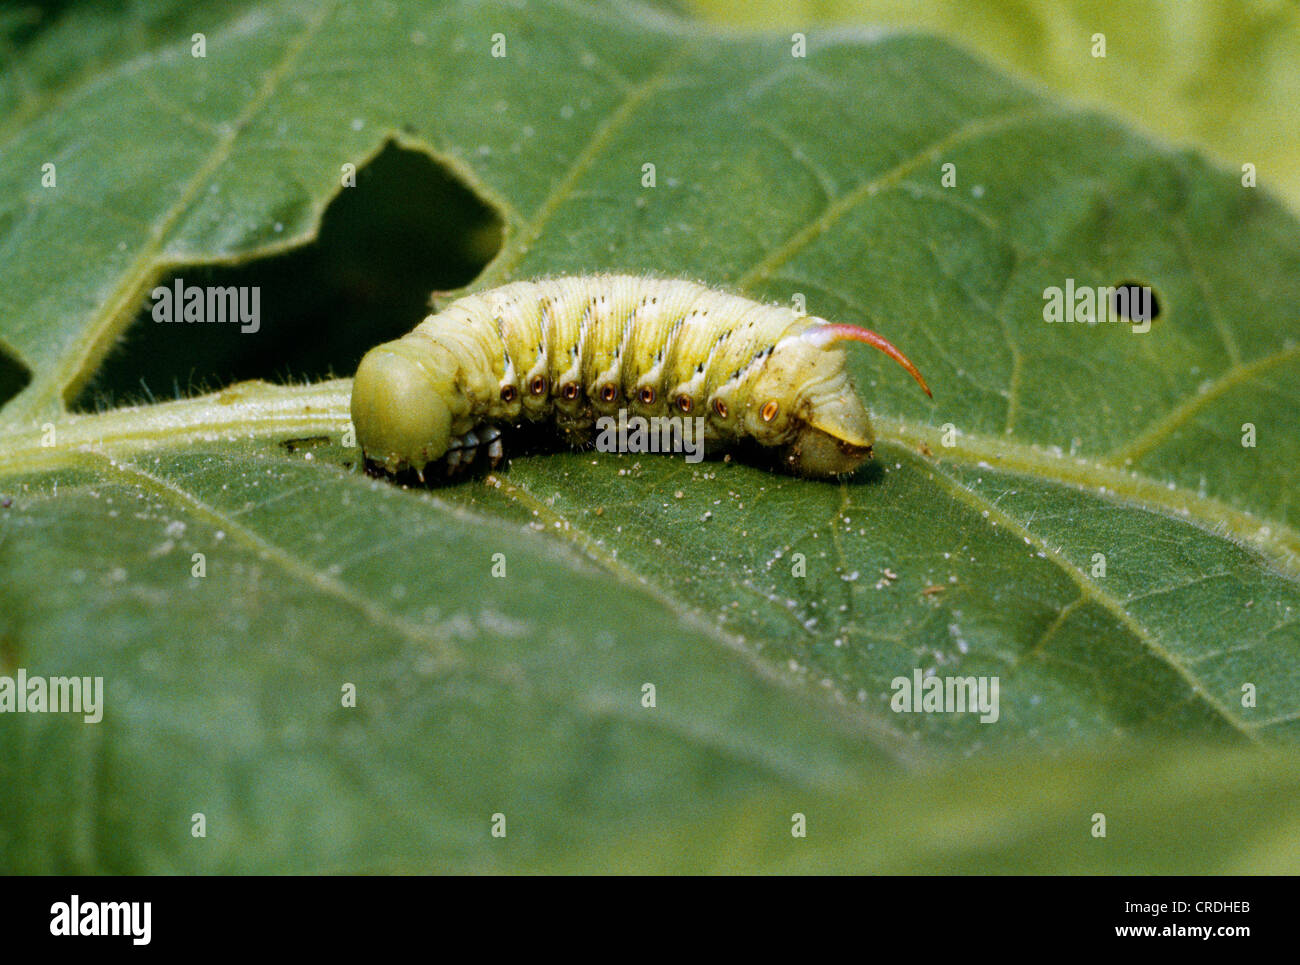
(465, 451)
(491, 442)
(461, 452)
(464, 456)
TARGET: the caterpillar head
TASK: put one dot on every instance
(399, 410)
(824, 430)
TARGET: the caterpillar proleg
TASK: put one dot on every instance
(575, 349)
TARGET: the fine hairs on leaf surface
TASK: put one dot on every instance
(644, 664)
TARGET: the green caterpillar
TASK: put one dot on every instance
(578, 348)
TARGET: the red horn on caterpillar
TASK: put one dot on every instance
(824, 335)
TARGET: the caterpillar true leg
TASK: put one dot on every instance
(495, 450)
(571, 350)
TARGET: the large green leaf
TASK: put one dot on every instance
(971, 547)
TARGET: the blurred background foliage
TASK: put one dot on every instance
(1222, 76)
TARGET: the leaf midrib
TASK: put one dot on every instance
(260, 410)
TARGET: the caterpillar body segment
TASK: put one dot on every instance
(573, 349)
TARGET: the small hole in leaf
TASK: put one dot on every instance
(1134, 301)
(410, 227)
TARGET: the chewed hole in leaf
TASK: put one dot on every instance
(409, 227)
(14, 373)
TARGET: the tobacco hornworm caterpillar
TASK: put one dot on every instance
(574, 349)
